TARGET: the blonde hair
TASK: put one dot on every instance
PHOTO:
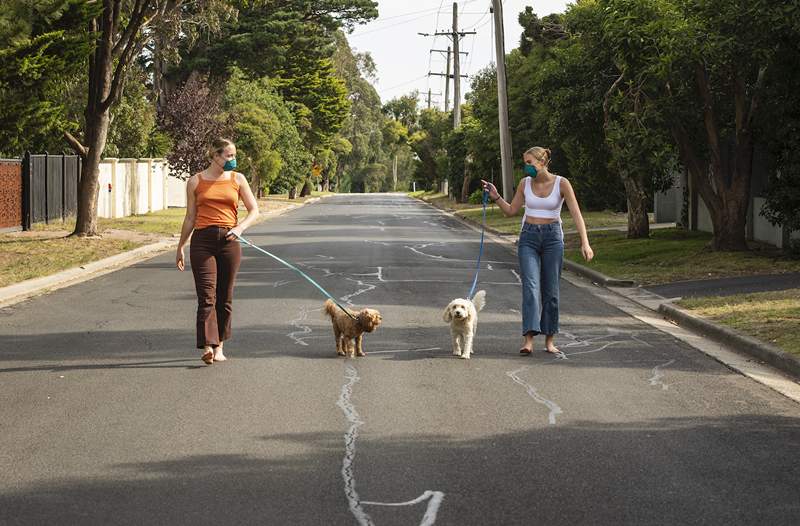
(540, 154)
(217, 146)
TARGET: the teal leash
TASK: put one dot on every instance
(480, 251)
(286, 263)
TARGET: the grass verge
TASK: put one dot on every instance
(511, 225)
(27, 258)
(769, 316)
(674, 255)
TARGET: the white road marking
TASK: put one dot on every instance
(304, 329)
(365, 287)
(283, 282)
(519, 279)
(552, 406)
(355, 504)
(658, 375)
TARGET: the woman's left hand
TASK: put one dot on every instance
(587, 252)
(234, 233)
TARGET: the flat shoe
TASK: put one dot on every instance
(525, 350)
(208, 357)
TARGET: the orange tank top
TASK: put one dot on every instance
(217, 203)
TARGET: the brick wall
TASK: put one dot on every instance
(10, 194)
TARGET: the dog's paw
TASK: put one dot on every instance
(456, 352)
(464, 356)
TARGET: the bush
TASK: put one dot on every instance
(476, 197)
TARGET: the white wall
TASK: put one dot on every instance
(176, 192)
(138, 186)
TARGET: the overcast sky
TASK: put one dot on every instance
(403, 57)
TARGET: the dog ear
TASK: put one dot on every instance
(447, 315)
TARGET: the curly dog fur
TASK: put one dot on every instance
(348, 331)
(462, 315)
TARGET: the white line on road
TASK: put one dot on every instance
(303, 329)
(348, 471)
(658, 375)
(552, 406)
(365, 287)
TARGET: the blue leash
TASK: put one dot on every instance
(286, 263)
(480, 252)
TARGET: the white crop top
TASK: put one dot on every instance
(545, 207)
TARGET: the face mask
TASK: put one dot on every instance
(530, 170)
(229, 165)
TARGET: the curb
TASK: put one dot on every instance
(765, 352)
(597, 277)
(24, 290)
(33, 287)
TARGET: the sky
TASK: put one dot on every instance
(403, 57)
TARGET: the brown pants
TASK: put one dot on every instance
(215, 262)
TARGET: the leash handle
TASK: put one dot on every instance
(306, 276)
(480, 251)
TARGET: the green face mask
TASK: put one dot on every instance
(229, 165)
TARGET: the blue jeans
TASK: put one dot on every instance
(541, 252)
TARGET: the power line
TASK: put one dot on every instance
(389, 26)
(405, 83)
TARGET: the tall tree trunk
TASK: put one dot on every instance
(723, 181)
(638, 221)
(117, 32)
(86, 222)
(465, 188)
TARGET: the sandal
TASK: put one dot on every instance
(208, 357)
(525, 350)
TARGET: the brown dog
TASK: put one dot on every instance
(348, 331)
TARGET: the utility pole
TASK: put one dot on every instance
(456, 71)
(394, 174)
(455, 35)
(447, 83)
(447, 52)
(430, 100)
(502, 103)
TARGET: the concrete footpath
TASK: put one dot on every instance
(750, 354)
(34, 287)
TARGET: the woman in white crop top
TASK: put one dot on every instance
(541, 243)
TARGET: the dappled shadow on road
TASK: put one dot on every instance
(738, 469)
(586, 346)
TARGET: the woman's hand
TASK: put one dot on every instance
(493, 193)
(234, 233)
(587, 252)
(179, 262)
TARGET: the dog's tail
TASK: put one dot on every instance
(479, 300)
(330, 308)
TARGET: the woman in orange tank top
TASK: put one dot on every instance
(212, 221)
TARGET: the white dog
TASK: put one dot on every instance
(462, 315)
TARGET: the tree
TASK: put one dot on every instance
(117, 33)
(268, 141)
(716, 56)
(192, 119)
(42, 45)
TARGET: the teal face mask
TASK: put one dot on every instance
(530, 170)
(229, 165)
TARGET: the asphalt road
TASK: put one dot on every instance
(108, 416)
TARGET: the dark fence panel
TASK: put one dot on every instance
(50, 187)
(55, 187)
(72, 175)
